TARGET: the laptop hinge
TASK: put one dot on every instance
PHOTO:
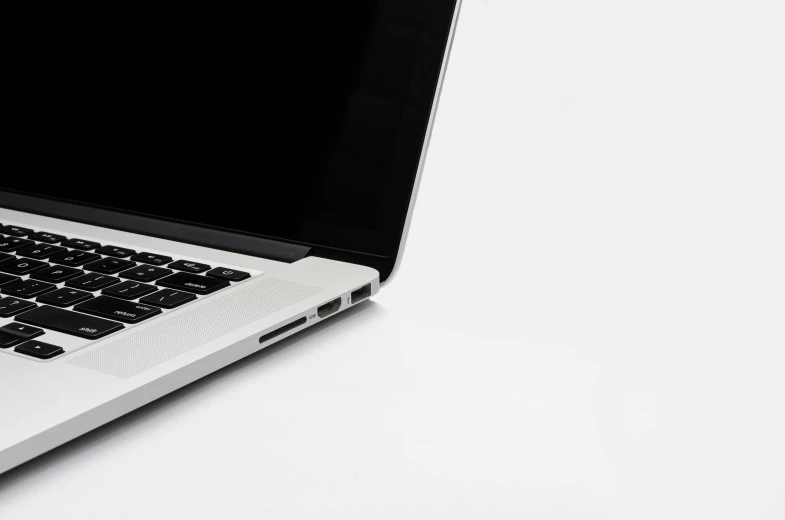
(159, 228)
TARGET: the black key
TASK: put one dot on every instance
(168, 299)
(9, 244)
(39, 251)
(15, 231)
(82, 245)
(9, 340)
(43, 236)
(21, 265)
(189, 267)
(69, 322)
(193, 283)
(39, 349)
(145, 273)
(152, 259)
(117, 252)
(22, 331)
(64, 297)
(109, 265)
(55, 273)
(120, 310)
(73, 258)
(92, 281)
(228, 274)
(129, 290)
(27, 288)
(7, 278)
(4, 256)
(10, 306)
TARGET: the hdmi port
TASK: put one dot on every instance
(329, 308)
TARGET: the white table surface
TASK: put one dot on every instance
(588, 323)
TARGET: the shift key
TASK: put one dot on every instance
(69, 322)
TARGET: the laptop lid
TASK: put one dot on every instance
(248, 122)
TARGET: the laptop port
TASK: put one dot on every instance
(329, 308)
(283, 330)
(361, 294)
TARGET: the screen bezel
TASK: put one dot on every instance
(234, 240)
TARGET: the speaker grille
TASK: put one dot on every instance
(170, 337)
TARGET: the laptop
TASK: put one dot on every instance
(183, 184)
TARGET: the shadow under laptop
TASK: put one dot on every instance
(104, 433)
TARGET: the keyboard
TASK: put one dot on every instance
(59, 294)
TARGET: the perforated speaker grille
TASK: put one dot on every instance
(172, 336)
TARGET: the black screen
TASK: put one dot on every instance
(301, 121)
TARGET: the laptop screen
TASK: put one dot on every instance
(292, 120)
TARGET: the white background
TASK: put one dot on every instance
(588, 323)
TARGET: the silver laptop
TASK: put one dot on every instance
(184, 184)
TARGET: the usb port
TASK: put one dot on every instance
(361, 294)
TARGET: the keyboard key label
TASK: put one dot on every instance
(191, 267)
(168, 298)
(228, 274)
(193, 283)
(39, 349)
(10, 306)
(120, 310)
(69, 322)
